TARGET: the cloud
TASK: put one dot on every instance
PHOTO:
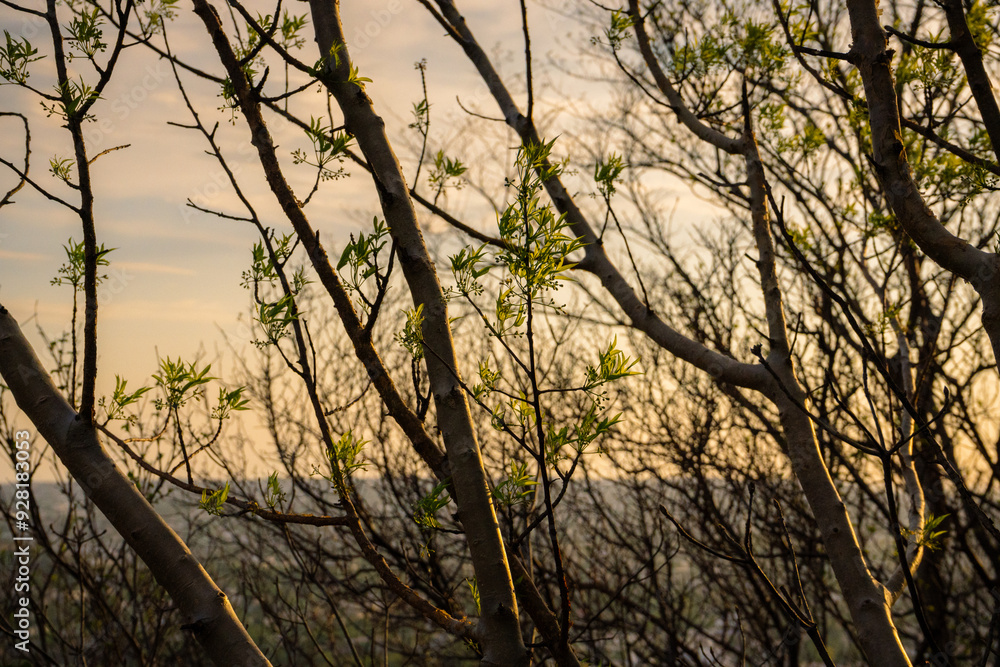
(23, 256)
(149, 267)
(173, 311)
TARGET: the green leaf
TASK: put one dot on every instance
(426, 509)
(228, 402)
(606, 172)
(345, 256)
(180, 382)
(412, 335)
(474, 589)
(121, 398)
(214, 502)
(15, 56)
(613, 365)
(517, 487)
(73, 270)
(85, 34)
(274, 496)
(346, 453)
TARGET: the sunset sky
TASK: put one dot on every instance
(173, 286)
(174, 276)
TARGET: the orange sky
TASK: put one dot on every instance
(173, 286)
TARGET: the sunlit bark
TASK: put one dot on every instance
(870, 54)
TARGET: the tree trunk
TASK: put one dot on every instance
(499, 629)
(205, 609)
(873, 59)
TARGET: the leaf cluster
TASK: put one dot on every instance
(328, 147)
(74, 269)
(517, 487)
(15, 56)
(180, 383)
(214, 502)
(85, 34)
(275, 314)
(346, 454)
(120, 399)
(425, 510)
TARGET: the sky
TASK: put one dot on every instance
(173, 284)
(175, 274)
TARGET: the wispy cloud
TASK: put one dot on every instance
(183, 310)
(22, 256)
(149, 267)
